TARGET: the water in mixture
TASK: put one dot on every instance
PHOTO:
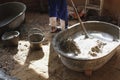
(100, 44)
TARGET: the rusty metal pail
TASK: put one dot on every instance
(11, 38)
(35, 37)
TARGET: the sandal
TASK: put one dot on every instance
(55, 30)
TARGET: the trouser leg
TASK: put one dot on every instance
(52, 13)
(62, 13)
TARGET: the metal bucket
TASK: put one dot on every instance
(12, 15)
(81, 64)
(35, 37)
(11, 38)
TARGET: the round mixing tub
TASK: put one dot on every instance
(84, 64)
(12, 15)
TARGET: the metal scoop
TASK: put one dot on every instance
(81, 24)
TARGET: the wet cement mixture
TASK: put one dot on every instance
(44, 64)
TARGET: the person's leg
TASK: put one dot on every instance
(62, 13)
(52, 6)
(52, 14)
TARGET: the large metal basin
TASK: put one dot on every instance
(81, 64)
(12, 14)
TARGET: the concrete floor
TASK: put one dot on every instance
(45, 64)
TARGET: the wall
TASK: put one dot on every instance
(111, 7)
(32, 5)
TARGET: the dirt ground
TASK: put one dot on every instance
(44, 64)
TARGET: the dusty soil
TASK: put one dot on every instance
(44, 64)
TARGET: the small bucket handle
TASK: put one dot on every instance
(35, 30)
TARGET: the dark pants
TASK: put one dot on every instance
(58, 8)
